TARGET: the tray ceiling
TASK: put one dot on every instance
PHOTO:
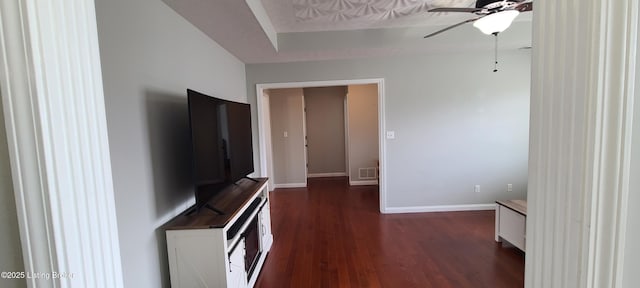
(259, 31)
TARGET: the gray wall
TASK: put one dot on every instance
(362, 104)
(10, 249)
(325, 129)
(288, 151)
(631, 277)
(456, 123)
(150, 56)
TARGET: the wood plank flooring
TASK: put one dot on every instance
(332, 235)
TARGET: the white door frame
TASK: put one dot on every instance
(347, 163)
(265, 138)
(304, 141)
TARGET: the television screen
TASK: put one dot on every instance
(222, 144)
(240, 144)
(208, 158)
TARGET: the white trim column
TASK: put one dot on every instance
(51, 86)
(583, 83)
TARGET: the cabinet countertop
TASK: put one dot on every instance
(229, 200)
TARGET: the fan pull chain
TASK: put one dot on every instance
(495, 54)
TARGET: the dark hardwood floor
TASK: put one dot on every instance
(332, 235)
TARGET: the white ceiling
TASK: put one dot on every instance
(259, 31)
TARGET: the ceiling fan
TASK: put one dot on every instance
(495, 17)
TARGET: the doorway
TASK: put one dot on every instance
(265, 136)
(326, 133)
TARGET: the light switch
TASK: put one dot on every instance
(391, 135)
(286, 134)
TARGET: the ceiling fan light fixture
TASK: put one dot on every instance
(496, 22)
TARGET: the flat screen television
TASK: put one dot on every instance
(222, 145)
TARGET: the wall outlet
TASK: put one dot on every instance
(476, 189)
(391, 135)
(509, 187)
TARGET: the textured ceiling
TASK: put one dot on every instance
(345, 10)
(326, 15)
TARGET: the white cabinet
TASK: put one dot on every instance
(206, 249)
(511, 222)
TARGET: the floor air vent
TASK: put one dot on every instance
(367, 173)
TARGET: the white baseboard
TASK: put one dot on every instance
(318, 175)
(363, 182)
(290, 185)
(440, 208)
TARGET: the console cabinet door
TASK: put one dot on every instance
(266, 239)
(236, 276)
(512, 227)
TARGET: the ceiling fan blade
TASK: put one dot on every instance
(452, 26)
(455, 9)
(525, 7)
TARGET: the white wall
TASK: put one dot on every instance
(324, 108)
(288, 151)
(362, 105)
(150, 56)
(10, 249)
(456, 123)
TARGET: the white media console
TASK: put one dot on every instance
(206, 249)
